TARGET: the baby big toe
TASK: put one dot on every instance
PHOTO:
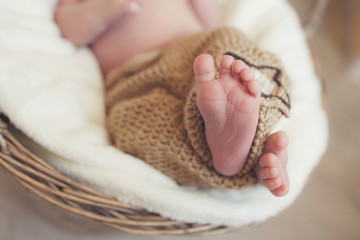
(277, 142)
(204, 68)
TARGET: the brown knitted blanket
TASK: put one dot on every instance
(152, 112)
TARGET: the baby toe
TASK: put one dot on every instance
(238, 68)
(281, 191)
(282, 140)
(272, 183)
(254, 88)
(267, 160)
(226, 63)
(269, 172)
(247, 75)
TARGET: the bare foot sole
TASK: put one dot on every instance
(229, 106)
(271, 168)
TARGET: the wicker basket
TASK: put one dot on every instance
(43, 180)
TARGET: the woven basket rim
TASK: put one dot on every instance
(41, 179)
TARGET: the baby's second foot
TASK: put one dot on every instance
(229, 106)
(271, 168)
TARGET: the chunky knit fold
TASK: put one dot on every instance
(152, 111)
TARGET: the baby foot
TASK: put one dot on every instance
(271, 168)
(229, 106)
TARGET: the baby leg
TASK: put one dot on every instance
(83, 21)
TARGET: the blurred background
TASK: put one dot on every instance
(328, 208)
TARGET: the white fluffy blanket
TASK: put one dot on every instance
(53, 92)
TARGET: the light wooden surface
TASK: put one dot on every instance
(329, 207)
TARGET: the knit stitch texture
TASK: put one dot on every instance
(152, 111)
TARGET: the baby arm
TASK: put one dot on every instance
(82, 21)
(208, 12)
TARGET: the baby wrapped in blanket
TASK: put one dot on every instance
(165, 103)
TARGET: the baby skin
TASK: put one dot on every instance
(115, 30)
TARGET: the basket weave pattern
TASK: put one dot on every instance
(43, 180)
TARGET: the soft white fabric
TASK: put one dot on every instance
(52, 91)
